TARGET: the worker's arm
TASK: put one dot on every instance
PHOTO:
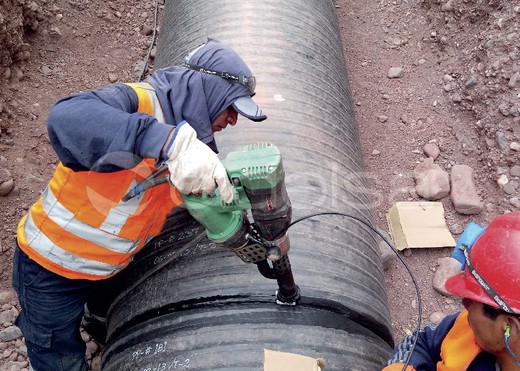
(427, 351)
(101, 130)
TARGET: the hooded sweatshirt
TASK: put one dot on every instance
(196, 97)
(101, 130)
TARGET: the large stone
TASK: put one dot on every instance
(431, 181)
(431, 150)
(395, 72)
(448, 267)
(464, 194)
(6, 182)
(387, 254)
(10, 333)
(7, 296)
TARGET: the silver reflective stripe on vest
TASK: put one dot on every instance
(39, 242)
(118, 215)
(66, 220)
(157, 110)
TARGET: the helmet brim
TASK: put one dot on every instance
(465, 285)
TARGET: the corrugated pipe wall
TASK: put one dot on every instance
(194, 305)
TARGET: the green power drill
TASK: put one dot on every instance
(258, 179)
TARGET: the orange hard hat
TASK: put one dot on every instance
(495, 263)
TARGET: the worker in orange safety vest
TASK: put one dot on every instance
(82, 231)
(486, 335)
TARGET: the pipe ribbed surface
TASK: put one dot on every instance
(198, 306)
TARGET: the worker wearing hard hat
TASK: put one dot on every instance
(485, 336)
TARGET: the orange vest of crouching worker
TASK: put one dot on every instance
(81, 229)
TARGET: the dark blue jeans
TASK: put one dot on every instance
(51, 311)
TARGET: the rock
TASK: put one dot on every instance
(395, 72)
(449, 87)
(513, 80)
(448, 267)
(10, 333)
(437, 317)
(515, 201)
(447, 78)
(431, 150)
(6, 182)
(7, 296)
(502, 181)
(46, 70)
(456, 228)
(513, 111)
(503, 108)
(510, 188)
(432, 182)
(515, 170)
(8, 315)
(33, 179)
(112, 77)
(146, 30)
(490, 143)
(464, 194)
(502, 141)
(55, 32)
(471, 82)
(447, 7)
(387, 254)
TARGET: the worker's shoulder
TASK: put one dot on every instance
(445, 324)
(117, 95)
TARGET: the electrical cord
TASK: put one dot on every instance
(367, 224)
(145, 65)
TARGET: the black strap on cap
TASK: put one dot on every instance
(483, 283)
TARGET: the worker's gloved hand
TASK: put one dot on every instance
(194, 167)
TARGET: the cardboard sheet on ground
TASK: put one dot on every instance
(281, 361)
(418, 224)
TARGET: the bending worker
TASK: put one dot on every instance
(80, 232)
(485, 336)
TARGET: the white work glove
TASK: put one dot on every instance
(194, 167)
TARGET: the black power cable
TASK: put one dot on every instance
(152, 43)
(367, 224)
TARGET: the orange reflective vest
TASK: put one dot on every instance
(81, 229)
(459, 347)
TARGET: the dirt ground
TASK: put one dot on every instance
(459, 89)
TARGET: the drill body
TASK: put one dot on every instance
(258, 179)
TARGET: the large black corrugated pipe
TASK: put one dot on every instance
(194, 305)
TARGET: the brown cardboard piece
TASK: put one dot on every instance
(418, 224)
(281, 361)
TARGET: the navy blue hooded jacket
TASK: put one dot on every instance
(101, 130)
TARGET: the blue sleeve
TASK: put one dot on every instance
(427, 351)
(101, 130)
